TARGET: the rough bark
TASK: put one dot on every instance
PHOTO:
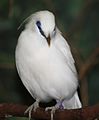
(16, 110)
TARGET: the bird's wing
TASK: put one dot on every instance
(63, 46)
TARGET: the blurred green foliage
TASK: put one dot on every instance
(77, 19)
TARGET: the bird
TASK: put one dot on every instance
(45, 64)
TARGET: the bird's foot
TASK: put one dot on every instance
(33, 107)
(53, 109)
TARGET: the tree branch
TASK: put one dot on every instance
(89, 64)
(11, 2)
(85, 68)
(86, 113)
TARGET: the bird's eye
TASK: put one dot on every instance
(38, 23)
(54, 29)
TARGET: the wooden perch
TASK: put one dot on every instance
(86, 113)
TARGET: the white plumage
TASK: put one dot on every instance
(45, 63)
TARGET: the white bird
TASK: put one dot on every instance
(45, 64)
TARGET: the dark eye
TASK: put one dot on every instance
(54, 28)
(54, 31)
(38, 23)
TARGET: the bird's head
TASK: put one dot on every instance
(43, 23)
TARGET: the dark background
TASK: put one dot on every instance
(79, 22)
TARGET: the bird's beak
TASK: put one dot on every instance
(48, 39)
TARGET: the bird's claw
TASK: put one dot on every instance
(53, 109)
(33, 107)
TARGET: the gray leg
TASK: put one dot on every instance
(33, 107)
(54, 108)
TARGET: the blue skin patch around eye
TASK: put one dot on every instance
(38, 23)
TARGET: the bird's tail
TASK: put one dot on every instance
(73, 103)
